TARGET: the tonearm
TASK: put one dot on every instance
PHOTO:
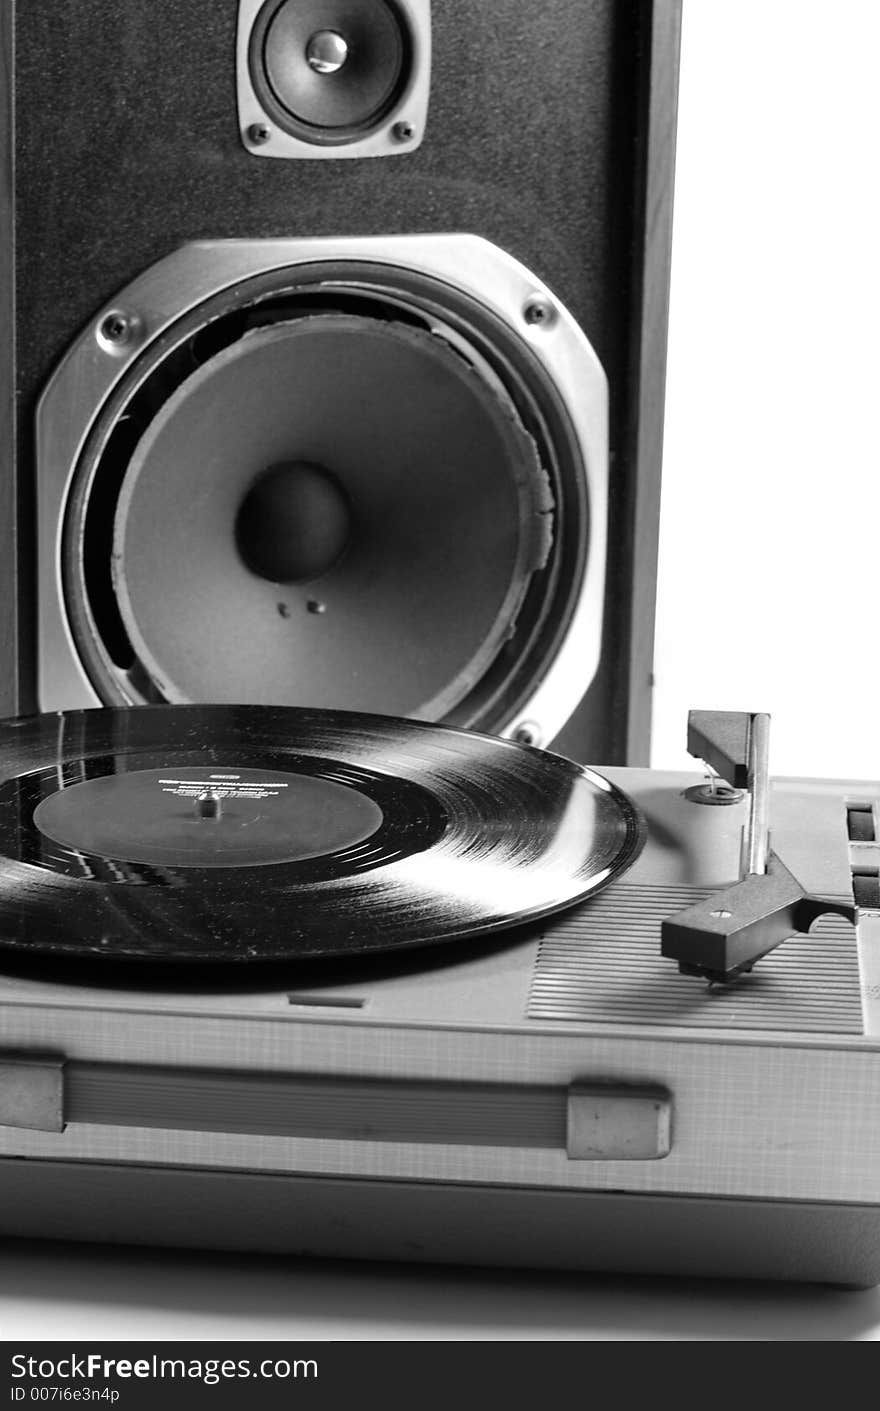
(723, 936)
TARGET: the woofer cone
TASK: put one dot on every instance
(483, 683)
(339, 99)
(402, 510)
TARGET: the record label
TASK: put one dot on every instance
(208, 818)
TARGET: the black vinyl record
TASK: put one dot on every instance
(213, 834)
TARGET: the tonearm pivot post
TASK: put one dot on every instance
(723, 936)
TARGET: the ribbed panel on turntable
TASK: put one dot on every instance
(602, 964)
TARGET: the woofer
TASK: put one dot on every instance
(334, 507)
(334, 482)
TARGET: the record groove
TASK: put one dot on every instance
(217, 834)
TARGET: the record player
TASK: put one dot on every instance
(334, 984)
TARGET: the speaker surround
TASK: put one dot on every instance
(476, 466)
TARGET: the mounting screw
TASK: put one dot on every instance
(117, 329)
(258, 133)
(527, 733)
(403, 132)
(539, 312)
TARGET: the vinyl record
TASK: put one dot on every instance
(216, 834)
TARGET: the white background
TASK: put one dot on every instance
(766, 601)
(767, 595)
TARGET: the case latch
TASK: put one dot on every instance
(609, 1122)
(32, 1092)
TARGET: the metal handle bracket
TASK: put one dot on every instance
(32, 1092)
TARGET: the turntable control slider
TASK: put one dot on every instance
(723, 936)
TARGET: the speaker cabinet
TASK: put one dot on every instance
(380, 434)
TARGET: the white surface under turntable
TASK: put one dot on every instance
(80, 1292)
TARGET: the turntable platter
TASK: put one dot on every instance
(216, 834)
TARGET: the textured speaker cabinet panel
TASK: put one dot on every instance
(550, 133)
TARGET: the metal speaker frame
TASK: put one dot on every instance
(267, 130)
(92, 385)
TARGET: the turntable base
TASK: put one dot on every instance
(445, 1224)
(445, 1105)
